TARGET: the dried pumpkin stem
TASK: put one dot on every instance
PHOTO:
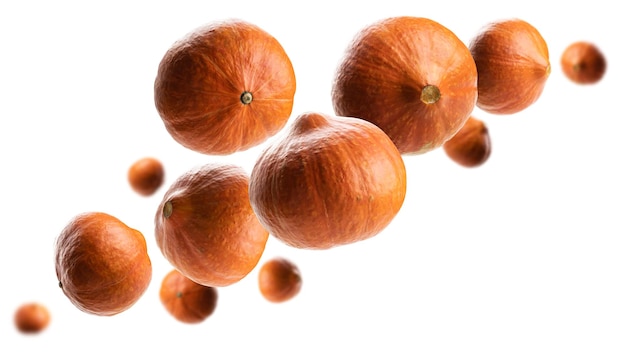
(167, 209)
(430, 94)
(246, 97)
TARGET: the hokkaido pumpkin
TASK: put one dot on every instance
(224, 87)
(206, 228)
(279, 280)
(412, 77)
(31, 317)
(185, 300)
(471, 145)
(513, 65)
(101, 263)
(583, 63)
(328, 181)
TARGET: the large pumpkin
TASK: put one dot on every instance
(328, 181)
(412, 77)
(225, 87)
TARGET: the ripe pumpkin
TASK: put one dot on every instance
(31, 317)
(146, 176)
(224, 87)
(583, 63)
(279, 280)
(513, 65)
(206, 228)
(102, 264)
(471, 145)
(328, 181)
(186, 300)
(412, 77)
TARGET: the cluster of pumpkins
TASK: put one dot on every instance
(405, 86)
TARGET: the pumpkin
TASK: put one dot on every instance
(226, 86)
(471, 145)
(513, 65)
(279, 280)
(185, 300)
(583, 63)
(412, 77)
(101, 263)
(31, 317)
(206, 228)
(146, 175)
(328, 181)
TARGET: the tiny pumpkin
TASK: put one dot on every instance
(31, 317)
(206, 228)
(279, 280)
(185, 300)
(226, 86)
(412, 77)
(471, 145)
(328, 181)
(146, 175)
(583, 62)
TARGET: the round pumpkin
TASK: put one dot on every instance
(146, 175)
(102, 264)
(206, 228)
(412, 77)
(513, 65)
(224, 87)
(31, 317)
(186, 300)
(328, 181)
(583, 63)
(279, 280)
(471, 145)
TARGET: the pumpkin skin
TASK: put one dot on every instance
(328, 181)
(185, 300)
(412, 77)
(206, 228)
(146, 176)
(583, 63)
(279, 280)
(513, 65)
(471, 145)
(102, 264)
(31, 318)
(225, 87)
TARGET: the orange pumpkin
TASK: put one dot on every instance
(328, 181)
(185, 300)
(224, 87)
(412, 77)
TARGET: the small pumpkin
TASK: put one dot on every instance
(206, 228)
(279, 280)
(31, 317)
(185, 300)
(102, 264)
(146, 175)
(583, 62)
(412, 77)
(226, 86)
(328, 181)
(513, 65)
(471, 145)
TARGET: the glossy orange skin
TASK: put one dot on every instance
(187, 301)
(202, 77)
(513, 65)
(583, 63)
(471, 146)
(146, 176)
(279, 280)
(102, 264)
(206, 228)
(384, 70)
(31, 318)
(328, 181)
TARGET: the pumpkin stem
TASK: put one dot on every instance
(246, 97)
(168, 209)
(430, 94)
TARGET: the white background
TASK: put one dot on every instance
(523, 255)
